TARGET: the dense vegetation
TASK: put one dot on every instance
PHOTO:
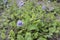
(29, 21)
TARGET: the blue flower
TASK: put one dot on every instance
(4, 1)
(20, 3)
(43, 7)
(19, 23)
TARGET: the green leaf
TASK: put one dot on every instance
(12, 38)
(3, 36)
(52, 29)
(20, 37)
(13, 24)
(41, 38)
(32, 27)
(28, 36)
(12, 34)
(35, 35)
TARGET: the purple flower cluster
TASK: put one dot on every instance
(19, 23)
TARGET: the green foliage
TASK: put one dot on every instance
(3, 36)
(12, 35)
(20, 37)
(28, 36)
(41, 38)
(37, 23)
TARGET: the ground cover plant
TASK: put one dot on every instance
(29, 22)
